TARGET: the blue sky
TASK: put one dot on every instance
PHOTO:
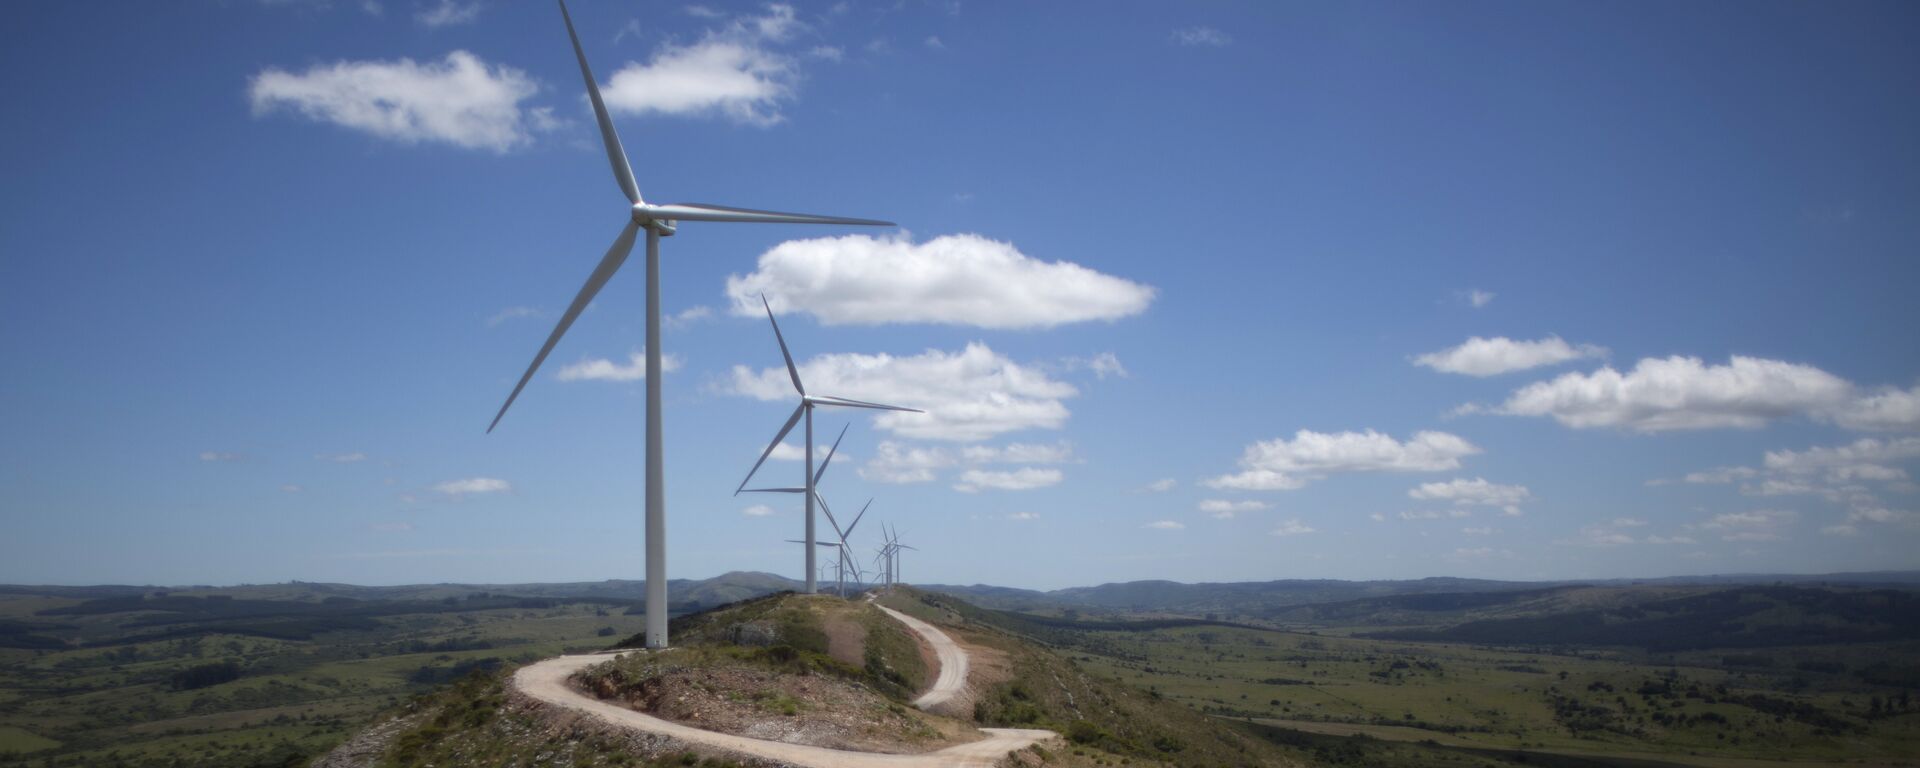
(1191, 291)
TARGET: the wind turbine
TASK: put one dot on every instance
(845, 550)
(893, 566)
(659, 221)
(805, 409)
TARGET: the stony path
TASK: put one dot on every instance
(546, 681)
(953, 660)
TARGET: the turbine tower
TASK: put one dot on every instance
(659, 221)
(805, 410)
(845, 550)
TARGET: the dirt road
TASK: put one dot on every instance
(546, 681)
(953, 660)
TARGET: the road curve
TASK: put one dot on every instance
(546, 681)
(953, 660)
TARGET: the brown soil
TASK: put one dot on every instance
(846, 640)
(815, 710)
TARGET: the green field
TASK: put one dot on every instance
(127, 701)
(1804, 705)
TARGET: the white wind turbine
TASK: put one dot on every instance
(841, 560)
(659, 221)
(805, 410)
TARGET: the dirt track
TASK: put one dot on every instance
(546, 681)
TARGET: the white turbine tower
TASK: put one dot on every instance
(805, 410)
(659, 221)
(841, 560)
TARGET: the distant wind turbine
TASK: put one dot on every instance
(843, 559)
(805, 410)
(659, 221)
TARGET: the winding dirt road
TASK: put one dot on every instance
(546, 681)
(953, 660)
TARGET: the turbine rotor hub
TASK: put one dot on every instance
(644, 214)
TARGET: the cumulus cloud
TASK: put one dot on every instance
(757, 510)
(734, 71)
(1102, 365)
(1757, 525)
(1018, 453)
(1025, 478)
(461, 100)
(1479, 531)
(1023, 516)
(1225, 510)
(1165, 525)
(791, 452)
(971, 395)
(512, 313)
(1207, 37)
(1886, 410)
(1476, 492)
(897, 463)
(1429, 514)
(1479, 298)
(1161, 485)
(1864, 459)
(447, 13)
(1489, 357)
(952, 280)
(1292, 527)
(1282, 464)
(473, 485)
(1662, 394)
(602, 369)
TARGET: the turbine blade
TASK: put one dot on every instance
(830, 452)
(791, 420)
(841, 401)
(609, 264)
(792, 372)
(616, 155)
(772, 490)
(856, 518)
(903, 546)
(822, 500)
(705, 212)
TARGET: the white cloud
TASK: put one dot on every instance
(1682, 393)
(1757, 525)
(899, 464)
(1476, 492)
(1864, 459)
(1479, 531)
(689, 316)
(473, 485)
(1025, 478)
(512, 313)
(1102, 365)
(1377, 517)
(1628, 522)
(1165, 525)
(1489, 357)
(969, 395)
(791, 452)
(1225, 510)
(1018, 453)
(1429, 514)
(1161, 485)
(352, 457)
(757, 510)
(1886, 410)
(827, 52)
(602, 369)
(1282, 464)
(703, 12)
(1201, 36)
(460, 101)
(1719, 475)
(1024, 516)
(448, 13)
(1479, 298)
(291, 488)
(733, 72)
(219, 456)
(952, 280)
(934, 43)
(1292, 527)
(1598, 536)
